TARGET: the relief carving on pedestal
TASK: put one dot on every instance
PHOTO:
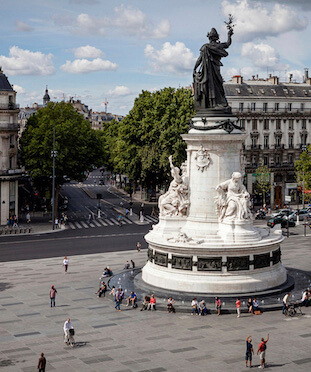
(160, 259)
(261, 260)
(183, 238)
(183, 263)
(233, 200)
(175, 201)
(238, 263)
(209, 264)
(202, 158)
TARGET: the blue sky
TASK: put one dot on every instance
(97, 49)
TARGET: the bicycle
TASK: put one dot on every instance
(293, 309)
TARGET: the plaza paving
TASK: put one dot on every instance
(132, 340)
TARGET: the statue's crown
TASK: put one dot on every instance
(213, 33)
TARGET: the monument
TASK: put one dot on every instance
(205, 241)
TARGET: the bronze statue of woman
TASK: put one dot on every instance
(208, 87)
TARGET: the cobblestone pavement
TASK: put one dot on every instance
(131, 340)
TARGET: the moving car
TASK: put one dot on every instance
(282, 211)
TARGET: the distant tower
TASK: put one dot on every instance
(106, 105)
(46, 97)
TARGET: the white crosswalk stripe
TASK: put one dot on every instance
(99, 222)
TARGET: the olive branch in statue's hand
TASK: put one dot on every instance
(230, 24)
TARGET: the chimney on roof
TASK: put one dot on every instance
(253, 76)
(308, 81)
(306, 76)
(237, 79)
(273, 80)
(290, 77)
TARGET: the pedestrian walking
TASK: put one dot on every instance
(53, 292)
(262, 350)
(120, 218)
(68, 333)
(238, 307)
(138, 247)
(56, 223)
(133, 264)
(285, 302)
(90, 217)
(41, 363)
(28, 218)
(66, 264)
(218, 305)
(249, 351)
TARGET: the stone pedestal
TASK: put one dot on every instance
(199, 252)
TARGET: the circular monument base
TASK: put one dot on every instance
(217, 283)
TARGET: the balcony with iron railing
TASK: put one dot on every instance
(9, 106)
(260, 111)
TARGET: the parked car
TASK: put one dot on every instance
(290, 223)
(303, 214)
(274, 221)
(282, 211)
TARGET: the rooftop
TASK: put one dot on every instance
(4, 82)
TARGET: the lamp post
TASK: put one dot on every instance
(53, 154)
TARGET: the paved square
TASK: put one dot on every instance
(132, 340)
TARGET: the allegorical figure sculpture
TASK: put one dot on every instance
(233, 200)
(175, 201)
(207, 81)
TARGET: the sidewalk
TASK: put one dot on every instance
(36, 228)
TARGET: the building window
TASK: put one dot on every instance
(276, 106)
(12, 140)
(289, 107)
(241, 106)
(266, 160)
(253, 106)
(254, 142)
(12, 197)
(266, 124)
(277, 141)
(254, 162)
(242, 123)
(277, 160)
(266, 142)
(290, 141)
(302, 107)
(278, 124)
(304, 124)
(11, 162)
(291, 124)
(290, 158)
(254, 124)
(265, 107)
(304, 139)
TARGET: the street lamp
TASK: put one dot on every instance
(53, 155)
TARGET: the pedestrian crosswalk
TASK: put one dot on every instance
(99, 222)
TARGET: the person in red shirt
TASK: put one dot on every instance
(152, 303)
(262, 349)
(238, 307)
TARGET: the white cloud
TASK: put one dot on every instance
(262, 55)
(120, 90)
(19, 89)
(254, 20)
(25, 62)
(162, 30)
(80, 66)
(125, 19)
(171, 58)
(87, 51)
(21, 26)
(247, 72)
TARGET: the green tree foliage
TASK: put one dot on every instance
(149, 134)
(303, 170)
(78, 146)
(262, 184)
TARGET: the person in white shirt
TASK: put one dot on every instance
(304, 299)
(66, 263)
(285, 302)
(194, 305)
(68, 338)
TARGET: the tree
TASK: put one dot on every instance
(263, 181)
(78, 146)
(149, 134)
(303, 171)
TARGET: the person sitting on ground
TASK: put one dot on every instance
(107, 272)
(145, 303)
(127, 265)
(102, 290)
(202, 308)
(250, 305)
(131, 299)
(256, 306)
(170, 305)
(133, 264)
(194, 305)
(218, 305)
(152, 303)
(112, 292)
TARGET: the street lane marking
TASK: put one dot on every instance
(72, 225)
(84, 224)
(148, 219)
(102, 222)
(96, 223)
(114, 221)
(109, 222)
(127, 220)
(78, 225)
(91, 224)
